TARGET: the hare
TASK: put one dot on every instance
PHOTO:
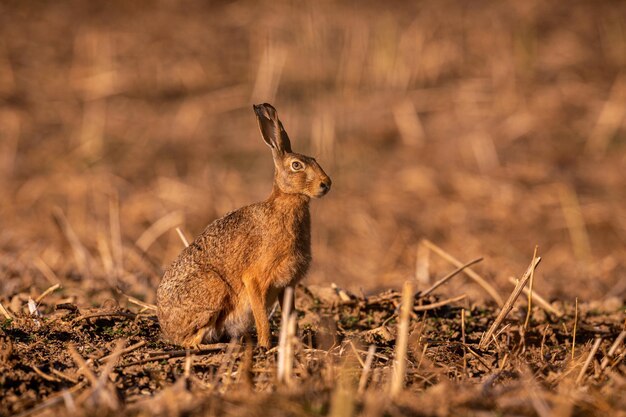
(234, 271)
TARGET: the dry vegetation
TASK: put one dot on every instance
(484, 127)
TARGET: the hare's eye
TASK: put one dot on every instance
(296, 165)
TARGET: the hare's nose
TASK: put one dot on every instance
(325, 185)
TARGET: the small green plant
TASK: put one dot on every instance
(114, 331)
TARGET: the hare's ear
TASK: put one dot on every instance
(272, 129)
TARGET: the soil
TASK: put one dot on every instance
(42, 369)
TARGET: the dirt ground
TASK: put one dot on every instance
(60, 363)
(449, 128)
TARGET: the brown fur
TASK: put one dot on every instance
(234, 271)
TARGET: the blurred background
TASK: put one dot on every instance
(487, 127)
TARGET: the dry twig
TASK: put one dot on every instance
(613, 349)
(473, 275)
(182, 237)
(439, 303)
(81, 255)
(46, 293)
(486, 339)
(164, 355)
(122, 352)
(104, 314)
(399, 365)
(575, 328)
(541, 301)
(5, 313)
(448, 277)
(530, 294)
(283, 345)
(592, 353)
(369, 359)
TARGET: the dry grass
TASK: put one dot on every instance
(484, 129)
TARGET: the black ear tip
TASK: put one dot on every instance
(265, 110)
(258, 110)
(267, 106)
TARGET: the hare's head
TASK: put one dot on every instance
(295, 173)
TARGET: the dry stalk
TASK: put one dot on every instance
(592, 353)
(81, 255)
(376, 355)
(463, 341)
(408, 123)
(440, 303)
(46, 293)
(530, 294)
(100, 394)
(422, 356)
(225, 369)
(543, 340)
(506, 309)
(105, 252)
(158, 228)
(44, 375)
(610, 119)
(541, 301)
(504, 359)
(269, 71)
(188, 362)
(63, 376)
(342, 402)
(122, 352)
(82, 366)
(613, 349)
(502, 330)
(116, 234)
(369, 359)
(480, 359)
(182, 237)
(495, 341)
(289, 354)
(104, 314)
(399, 364)
(575, 221)
(45, 270)
(356, 353)
(143, 304)
(469, 272)
(536, 394)
(340, 292)
(70, 405)
(422, 265)
(54, 400)
(575, 327)
(283, 349)
(448, 277)
(5, 312)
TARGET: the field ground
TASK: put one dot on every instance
(61, 362)
(486, 127)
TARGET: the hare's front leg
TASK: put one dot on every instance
(257, 295)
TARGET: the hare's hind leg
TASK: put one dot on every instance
(208, 334)
(191, 308)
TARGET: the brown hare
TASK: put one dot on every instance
(234, 271)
